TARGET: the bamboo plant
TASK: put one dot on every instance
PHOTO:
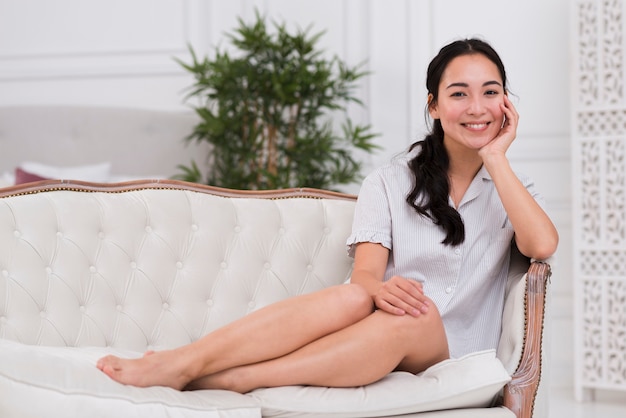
(275, 113)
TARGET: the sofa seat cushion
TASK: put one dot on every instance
(472, 381)
(65, 379)
(39, 381)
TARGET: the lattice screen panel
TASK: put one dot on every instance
(599, 179)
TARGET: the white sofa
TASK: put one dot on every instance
(88, 269)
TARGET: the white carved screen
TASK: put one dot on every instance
(599, 181)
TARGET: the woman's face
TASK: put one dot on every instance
(468, 106)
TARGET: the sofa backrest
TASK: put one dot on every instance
(158, 264)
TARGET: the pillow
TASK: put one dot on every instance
(33, 171)
(22, 176)
(7, 178)
(472, 381)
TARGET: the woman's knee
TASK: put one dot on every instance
(426, 326)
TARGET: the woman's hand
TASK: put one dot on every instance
(501, 143)
(401, 296)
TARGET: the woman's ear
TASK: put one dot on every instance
(432, 106)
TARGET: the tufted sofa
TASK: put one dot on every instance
(89, 269)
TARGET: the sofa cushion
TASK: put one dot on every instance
(471, 381)
(39, 381)
(66, 379)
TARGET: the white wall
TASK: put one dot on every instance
(119, 53)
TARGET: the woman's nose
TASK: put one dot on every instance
(476, 106)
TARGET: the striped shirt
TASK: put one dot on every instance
(467, 281)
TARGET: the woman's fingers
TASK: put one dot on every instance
(399, 296)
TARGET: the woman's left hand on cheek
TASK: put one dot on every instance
(504, 138)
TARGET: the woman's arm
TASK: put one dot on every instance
(397, 295)
(535, 234)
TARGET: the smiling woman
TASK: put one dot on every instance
(428, 275)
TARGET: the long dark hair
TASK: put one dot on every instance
(429, 196)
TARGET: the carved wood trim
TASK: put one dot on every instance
(521, 391)
(82, 186)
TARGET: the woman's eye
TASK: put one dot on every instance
(491, 92)
(458, 94)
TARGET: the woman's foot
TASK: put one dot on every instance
(163, 368)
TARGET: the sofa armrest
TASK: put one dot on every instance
(521, 391)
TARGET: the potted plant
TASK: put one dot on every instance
(275, 115)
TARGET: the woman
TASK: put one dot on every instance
(430, 242)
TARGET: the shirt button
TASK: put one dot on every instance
(457, 251)
(448, 290)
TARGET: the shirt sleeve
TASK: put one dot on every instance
(372, 216)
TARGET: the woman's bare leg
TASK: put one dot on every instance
(357, 355)
(268, 333)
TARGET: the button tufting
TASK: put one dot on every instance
(16, 234)
(251, 304)
(42, 314)
(93, 269)
(281, 231)
(327, 230)
(209, 302)
(59, 234)
(309, 267)
(5, 273)
(101, 235)
(3, 320)
(267, 266)
(194, 227)
(166, 305)
(179, 265)
(148, 229)
(49, 270)
(133, 265)
(82, 308)
(237, 228)
(119, 308)
(223, 264)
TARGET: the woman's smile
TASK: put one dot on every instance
(476, 126)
